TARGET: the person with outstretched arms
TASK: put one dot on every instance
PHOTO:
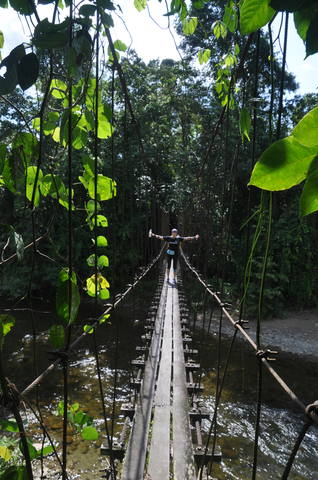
(172, 252)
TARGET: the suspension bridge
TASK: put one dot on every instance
(161, 436)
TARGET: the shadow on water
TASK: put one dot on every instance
(279, 425)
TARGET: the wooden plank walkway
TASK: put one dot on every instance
(160, 440)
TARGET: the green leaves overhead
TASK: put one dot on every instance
(32, 184)
(204, 55)
(119, 45)
(254, 14)
(302, 20)
(67, 297)
(24, 7)
(189, 25)
(245, 123)
(291, 160)
(49, 35)
(10, 79)
(311, 37)
(105, 188)
(283, 165)
(230, 16)
(87, 10)
(309, 196)
(28, 71)
(290, 5)
(22, 69)
(219, 29)
(306, 131)
(58, 89)
(140, 4)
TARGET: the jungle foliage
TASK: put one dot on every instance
(173, 140)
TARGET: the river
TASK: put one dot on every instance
(280, 422)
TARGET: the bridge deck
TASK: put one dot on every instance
(168, 441)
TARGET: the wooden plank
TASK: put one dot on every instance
(135, 458)
(159, 454)
(183, 460)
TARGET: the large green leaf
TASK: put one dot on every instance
(1, 39)
(14, 473)
(104, 188)
(119, 45)
(25, 7)
(8, 425)
(89, 433)
(204, 55)
(103, 261)
(67, 297)
(87, 10)
(189, 25)
(31, 448)
(58, 89)
(309, 195)
(10, 79)
(284, 164)
(245, 123)
(102, 241)
(306, 131)
(105, 128)
(302, 20)
(6, 324)
(31, 178)
(140, 4)
(290, 5)
(26, 146)
(254, 14)
(230, 16)
(49, 35)
(53, 185)
(312, 37)
(28, 71)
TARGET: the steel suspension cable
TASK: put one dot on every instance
(238, 325)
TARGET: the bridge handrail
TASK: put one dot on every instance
(309, 412)
(108, 310)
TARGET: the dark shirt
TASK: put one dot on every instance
(173, 242)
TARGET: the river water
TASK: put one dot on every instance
(280, 422)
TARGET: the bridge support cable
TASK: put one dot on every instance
(263, 357)
(110, 307)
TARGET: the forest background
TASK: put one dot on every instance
(166, 172)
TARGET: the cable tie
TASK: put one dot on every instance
(312, 408)
(241, 323)
(265, 354)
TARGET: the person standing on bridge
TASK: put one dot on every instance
(172, 252)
